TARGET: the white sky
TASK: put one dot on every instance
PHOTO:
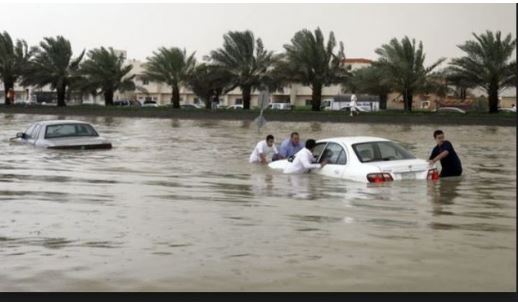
(142, 28)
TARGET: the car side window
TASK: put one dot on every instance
(29, 131)
(36, 132)
(317, 151)
(335, 154)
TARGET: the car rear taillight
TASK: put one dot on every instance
(379, 177)
(433, 174)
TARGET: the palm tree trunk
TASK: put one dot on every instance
(383, 101)
(316, 97)
(207, 100)
(493, 98)
(247, 92)
(463, 93)
(408, 98)
(108, 98)
(175, 98)
(61, 90)
(7, 86)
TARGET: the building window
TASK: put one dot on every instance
(239, 101)
(308, 102)
(145, 82)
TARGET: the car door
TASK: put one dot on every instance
(336, 158)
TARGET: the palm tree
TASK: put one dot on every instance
(13, 60)
(402, 64)
(487, 64)
(208, 80)
(247, 61)
(460, 84)
(370, 80)
(105, 70)
(53, 65)
(171, 66)
(310, 61)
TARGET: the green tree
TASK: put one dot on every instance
(460, 84)
(208, 80)
(487, 64)
(14, 58)
(53, 65)
(246, 60)
(104, 70)
(402, 64)
(172, 66)
(310, 61)
(370, 80)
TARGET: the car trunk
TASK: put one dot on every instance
(404, 169)
(81, 143)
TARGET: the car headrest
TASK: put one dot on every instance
(366, 155)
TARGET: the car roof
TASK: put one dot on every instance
(351, 140)
(57, 122)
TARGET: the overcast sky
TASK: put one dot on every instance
(142, 28)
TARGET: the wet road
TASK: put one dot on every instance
(175, 206)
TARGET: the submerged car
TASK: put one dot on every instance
(366, 159)
(62, 134)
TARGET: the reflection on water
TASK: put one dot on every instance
(175, 206)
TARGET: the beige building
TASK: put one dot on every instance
(296, 94)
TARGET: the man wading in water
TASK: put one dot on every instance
(444, 152)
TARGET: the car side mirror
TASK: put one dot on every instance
(20, 135)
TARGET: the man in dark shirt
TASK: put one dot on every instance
(444, 152)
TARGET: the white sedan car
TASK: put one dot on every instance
(62, 134)
(367, 159)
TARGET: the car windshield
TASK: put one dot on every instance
(380, 151)
(69, 130)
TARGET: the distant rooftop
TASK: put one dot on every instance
(357, 60)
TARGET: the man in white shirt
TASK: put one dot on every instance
(264, 150)
(304, 160)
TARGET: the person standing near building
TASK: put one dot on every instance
(304, 160)
(264, 151)
(353, 105)
(214, 101)
(10, 96)
(444, 152)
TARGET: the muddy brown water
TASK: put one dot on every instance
(175, 206)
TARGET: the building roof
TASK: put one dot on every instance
(357, 60)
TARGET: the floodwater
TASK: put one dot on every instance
(175, 206)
